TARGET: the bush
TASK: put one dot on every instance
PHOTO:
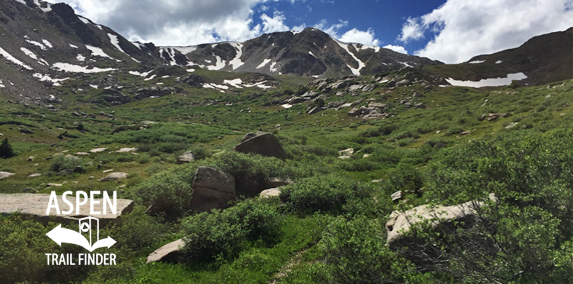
(6, 150)
(224, 233)
(354, 252)
(325, 193)
(61, 162)
(137, 230)
(168, 191)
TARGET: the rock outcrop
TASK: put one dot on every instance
(4, 175)
(212, 189)
(167, 253)
(185, 158)
(399, 223)
(114, 176)
(261, 143)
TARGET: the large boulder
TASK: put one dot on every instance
(212, 189)
(35, 205)
(114, 176)
(438, 216)
(261, 143)
(4, 175)
(167, 253)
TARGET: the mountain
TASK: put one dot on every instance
(542, 59)
(307, 53)
(42, 44)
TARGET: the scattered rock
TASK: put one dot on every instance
(354, 112)
(193, 80)
(467, 132)
(97, 150)
(4, 175)
(31, 159)
(126, 150)
(54, 184)
(82, 154)
(35, 175)
(168, 253)
(512, 125)
(185, 158)
(114, 176)
(347, 152)
(276, 182)
(34, 205)
(261, 143)
(212, 188)
(108, 171)
(315, 110)
(267, 193)
(420, 105)
(396, 195)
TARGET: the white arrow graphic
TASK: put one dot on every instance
(62, 235)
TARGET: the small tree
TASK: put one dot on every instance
(6, 150)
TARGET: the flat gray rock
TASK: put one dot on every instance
(4, 175)
(35, 206)
(114, 176)
(168, 252)
(267, 193)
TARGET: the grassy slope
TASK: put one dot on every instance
(206, 117)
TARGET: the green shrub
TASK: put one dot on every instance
(325, 193)
(61, 162)
(137, 230)
(354, 252)
(224, 233)
(168, 191)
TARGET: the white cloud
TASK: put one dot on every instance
(465, 28)
(274, 24)
(352, 36)
(411, 31)
(364, 37)
(396, 48)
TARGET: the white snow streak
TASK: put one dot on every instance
(79, 69)
(236, 62)
(355, 71)
(47, 43)
(264, 63)
(80, 58)
(477, 61)
(219, 65)
(491, 82)
(235, 83)
(13, 59)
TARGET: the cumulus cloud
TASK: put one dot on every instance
(465, 28)
(274, 24)
(354, 35)
(396, 48)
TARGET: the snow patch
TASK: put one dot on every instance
(273, 69)
(47, 43)
(85, 20)
(491, 82)
(355, 71)
(265, 62)
(477, 61)
(219, 65)
(13, 59)
(66, 67)
(309, 52)
(45, 10)
(286, 106)
(96, 51)
(190, 70)
(235, 83)
(236, 62)
(55, 82)
(115, 41)
(406, 64)
(144, 74)
(43, 47)
(80, 58)
(73, 46)
(215, 86)
(94, 86)
(185, 49)
(499, 61)
(150, 78)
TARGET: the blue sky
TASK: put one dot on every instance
(451, 31)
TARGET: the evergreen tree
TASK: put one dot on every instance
(6, 150)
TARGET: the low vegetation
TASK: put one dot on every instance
(328, 225)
